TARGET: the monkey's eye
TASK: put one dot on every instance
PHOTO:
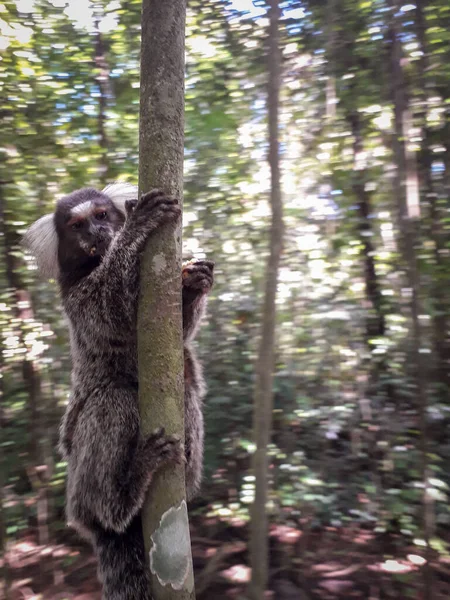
(101, 216)
(76, 225)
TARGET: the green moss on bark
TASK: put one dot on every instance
(160, 345)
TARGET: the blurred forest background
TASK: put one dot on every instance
(359, 476)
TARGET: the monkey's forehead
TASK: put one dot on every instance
(82, 202)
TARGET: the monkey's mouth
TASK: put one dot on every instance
(97, 247)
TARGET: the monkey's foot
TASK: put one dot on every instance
(161, 449)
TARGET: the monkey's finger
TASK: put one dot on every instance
(151, 195)
(165, 214)
(154, 199)
(194, 263)
(182, 459)
(193, 271)
(156, 436)
(167, 208)
(157, 444)
(197, 267)
(206, 263)
(198, 280)
(130, 205)
(159, 441)
(171, 446)
(173, 452)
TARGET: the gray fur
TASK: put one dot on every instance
(110, 465)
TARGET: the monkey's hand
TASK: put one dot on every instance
(198, 279)
(160, 449)
(197, 276)
(152, 210)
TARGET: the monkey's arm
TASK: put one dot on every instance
(115, 282)
(197, 278)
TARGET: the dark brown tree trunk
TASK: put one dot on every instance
(263, 396)
(408, 208)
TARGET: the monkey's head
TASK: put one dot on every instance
(72, 241)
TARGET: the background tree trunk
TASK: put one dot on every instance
(104, 88)
(160, 342)
(375, 321)
(263, 395)
(407, 194)
(4, 567)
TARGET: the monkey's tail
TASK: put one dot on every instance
(122, 565)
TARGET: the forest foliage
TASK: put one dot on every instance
(361, 419)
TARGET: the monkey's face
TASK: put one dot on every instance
(86, 222)
(70, 242)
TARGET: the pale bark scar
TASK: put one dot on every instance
(170, 555)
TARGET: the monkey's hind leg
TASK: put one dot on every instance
(124, 496)
(108, 481)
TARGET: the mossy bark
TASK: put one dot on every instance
(160, 343)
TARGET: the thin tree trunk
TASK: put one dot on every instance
(4, 570)
(376, 322)
(102, 79)
(160, 345)
(330, 90)
(406, 193)
(263, 395)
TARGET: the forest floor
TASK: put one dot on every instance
(329, 564)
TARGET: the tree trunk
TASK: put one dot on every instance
(5, 578)
(406, 193)
(103, 82)
(375, 322)
(331, 48)
(160, 340)
(263, 395)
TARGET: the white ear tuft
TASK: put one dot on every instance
(41, 240)
(119, 193)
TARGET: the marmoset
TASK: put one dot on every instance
(92, 245)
